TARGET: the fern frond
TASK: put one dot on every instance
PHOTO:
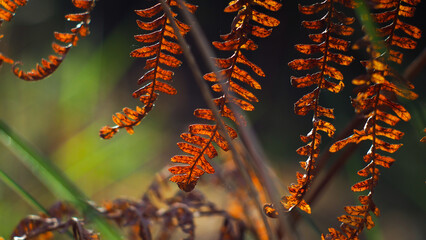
(247, 22)
(6, 14)
(423, 138)
(178, 211)
(334, 25)
(159, 42)
(43, 227)
(81, 30)
(374, 99)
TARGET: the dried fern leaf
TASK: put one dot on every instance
(7, 12)
(5, 59)
(379, 87)
(48, 66)
(42, 228)
(159, 47)
(236, 80)
(9, 8)
(333, 26)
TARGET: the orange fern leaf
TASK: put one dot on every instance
(199, 145)
(158, 42)
(6, 14)
(247, 22)
(334, 23)
(48, 66)
(9, 8)
(5, 59)
(379, 85)
(423, 138)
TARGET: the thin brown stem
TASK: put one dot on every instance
(256, 154)
(416, 66)
(208, 99)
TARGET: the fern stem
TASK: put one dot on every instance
(247, 135)
(207, 54)
(415, 67)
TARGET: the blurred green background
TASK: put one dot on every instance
(60, 116)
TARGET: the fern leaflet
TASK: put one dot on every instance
(159, 40)
(47, 67)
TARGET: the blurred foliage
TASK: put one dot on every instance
(61, 115)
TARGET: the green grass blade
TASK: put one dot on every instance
(364, 16)
(43, 168)
(26, 196)
(21, 192)
(54, 179)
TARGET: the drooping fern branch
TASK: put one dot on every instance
(375, 100)
(7, 14)
(60, 219)
(47, 67)
(159, 40)
(9, 8)
(334, 23)
(199, 140)
(140, 217)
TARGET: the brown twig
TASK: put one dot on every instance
(255, 152)
(416, 66)
(208, 97)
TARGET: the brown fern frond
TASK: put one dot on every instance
(6, 14)
(152, 211)
(375, 99)
(334, 25)
(43, 227)
(81, 30)
(60, 218)
(247, 22)
(159, 42)
(423, 138)
(178, 211)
